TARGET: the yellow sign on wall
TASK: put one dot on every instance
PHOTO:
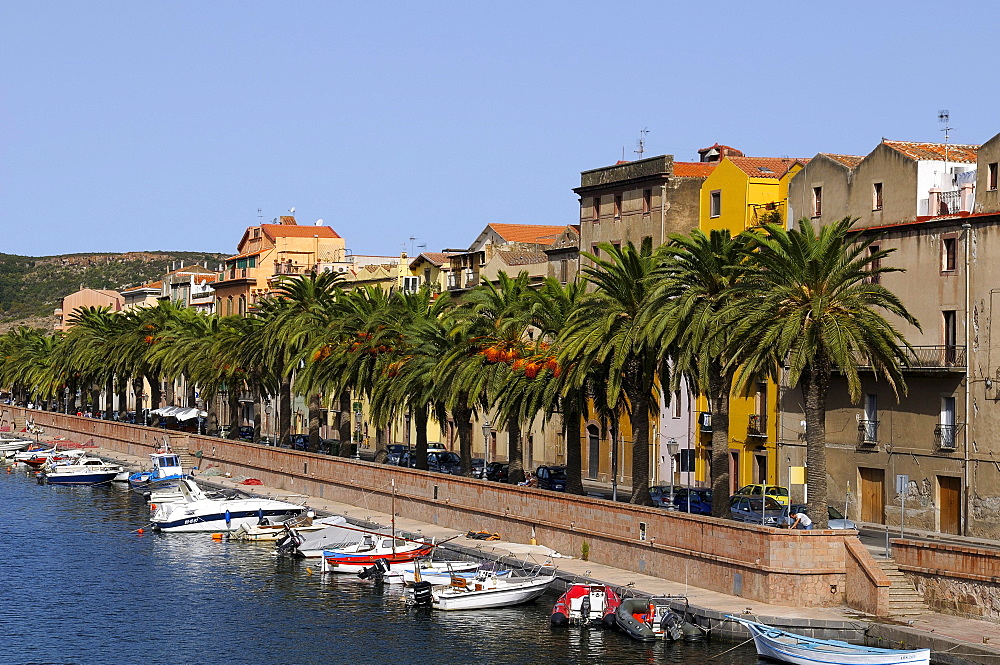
(796, 475)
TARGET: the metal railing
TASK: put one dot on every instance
(867, 432)
(705, 422)
(757, 425)
(941, 356)
(944, 436)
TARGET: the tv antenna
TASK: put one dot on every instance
(260, 214)
(943, 117)
(641, 142)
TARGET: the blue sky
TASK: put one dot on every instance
(148, 126)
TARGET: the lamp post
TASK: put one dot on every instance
(672, 448)
(487, 430)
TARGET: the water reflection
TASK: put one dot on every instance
(105, 594)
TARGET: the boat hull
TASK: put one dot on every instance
(349, 562)
(490, 596)
(780, 645)
(78, 479)
(217, 521)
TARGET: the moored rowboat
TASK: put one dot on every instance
(781, 645)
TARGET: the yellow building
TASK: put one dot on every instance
(740, 193)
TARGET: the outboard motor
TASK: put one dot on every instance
(375, 573)
(585, 610)
(422, 596)
(670, 624)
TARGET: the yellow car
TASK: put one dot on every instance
(779, 494)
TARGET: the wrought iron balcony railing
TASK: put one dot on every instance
(705, 422)
(757, 425)
(944, 436)
(944, 356)
(867, 432)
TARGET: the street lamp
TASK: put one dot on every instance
(672, 448)
(487, 430)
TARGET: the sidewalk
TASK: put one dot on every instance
(952, 639)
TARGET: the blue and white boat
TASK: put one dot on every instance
(84, 470)
(196, 511)
(777, 644)
(165, 473)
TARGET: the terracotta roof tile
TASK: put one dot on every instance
(242, 256)
(514, 258)
(935, 151)
(541, 234)
(764, 167)
(151, 285)
(850, 161)
(437, 258)
(288, 231)
(694, 169)
(197, 269)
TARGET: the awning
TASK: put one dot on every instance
(179, 412)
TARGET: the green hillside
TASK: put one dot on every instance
(32, 287)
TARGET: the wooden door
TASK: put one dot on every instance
(949, 504)
(734, 471)
(872, 495)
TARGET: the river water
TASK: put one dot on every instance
(80, 586)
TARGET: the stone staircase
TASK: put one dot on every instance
(904, 599)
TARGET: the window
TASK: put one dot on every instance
(243, 305)
(992, 185)
(596, 203)
(647, 201)
(869, 426)
(874, 265)
(427, 276)
(229, 306)
(817, 201)
(618, 206)
(676, 405)
(949, 335)
(411, 284)
(564, 271)
(595, 250)
(948, 248)
(877, 196)
(946, 428)
(715, 204)
(617, 246)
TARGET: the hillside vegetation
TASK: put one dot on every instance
(32, 287)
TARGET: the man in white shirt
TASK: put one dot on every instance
(802, 521)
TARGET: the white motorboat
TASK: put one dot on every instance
(310, 545)
(197, 511)
(14, 445)
(437, 572)
(270, 532)
(164, 473)
(84, 470)
(486, 590)
(373, 548)
(781, 645)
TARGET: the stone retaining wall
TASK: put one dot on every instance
(954, 579)
(799, 568)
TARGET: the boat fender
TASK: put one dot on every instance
(559, 619)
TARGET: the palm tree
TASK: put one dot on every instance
(684, 317)
(606, 330)
(809, 302)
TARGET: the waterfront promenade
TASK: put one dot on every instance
(952, 639)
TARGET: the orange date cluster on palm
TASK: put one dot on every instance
(530, 366)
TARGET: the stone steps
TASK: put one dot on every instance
(904, 599)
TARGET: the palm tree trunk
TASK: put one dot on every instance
(815, 384)
(170, 396)
(233, 398)
(640, 447)
(719, 383)
(256, 414)
(192, 400)
(315, 407)
(344, 423)
(573, 429)
(137, 386)
(420, 423)
(155, 394)
(109, 401)
(95, 399)
(462, 415)
(285, 411)
(122, 398)
(515, 451)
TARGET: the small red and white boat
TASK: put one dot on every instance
(355, 558)
(586, 605)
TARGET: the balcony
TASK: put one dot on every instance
(705, 422)
(289, 268)
(867, 433)
(757, 425)
(927, 357)
(944, 437)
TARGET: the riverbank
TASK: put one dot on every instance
(954, 640)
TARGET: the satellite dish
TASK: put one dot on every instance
(292, 210)
(319, 222)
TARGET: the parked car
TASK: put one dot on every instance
(762, 510)
(478, 466)
(497, 471)
(444, 461)
(246, 432)
(776, 492)
(299, 441)
(551, 478)
(394, 452)
(835, 518)
(694, 500)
